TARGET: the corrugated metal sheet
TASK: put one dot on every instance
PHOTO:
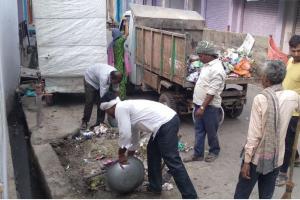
(178, 4)
(217, 14)
(260, 17)
(297, 27)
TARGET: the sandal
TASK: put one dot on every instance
(297, 162)
(193, 158)
(281, 180)
(211, 157)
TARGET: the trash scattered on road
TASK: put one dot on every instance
(68, 167)
(167, 187)
(181, 146)
(30, 92)
(109, 162)
(88, 134)
(95, 183)
(101, 129)
(101, 157)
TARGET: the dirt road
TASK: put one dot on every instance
(212, 180)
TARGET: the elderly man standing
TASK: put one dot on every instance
(207, 100)
(134, 116)
(263, 154)
(98, 79)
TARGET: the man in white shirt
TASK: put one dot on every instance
(264, 150)
(134, 116)
(98, 79)
(207, 100)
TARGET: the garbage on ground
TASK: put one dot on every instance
(109, 162)
(102, 130)
(100, 157)
(183, 147)
(96, 183)
(166, 175)
(106, 131)
(30, 92)
(167, 187)
(142, 152)
(88, 134)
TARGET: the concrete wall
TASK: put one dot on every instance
(9, 48)
(9, 79)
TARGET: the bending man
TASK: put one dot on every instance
(152, 117)
(98, 79)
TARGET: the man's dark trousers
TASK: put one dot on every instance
(289, 141)
(165, 145)
(266, 184)
(92, 95)
(207, 125)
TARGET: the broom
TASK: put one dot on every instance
(289, 184)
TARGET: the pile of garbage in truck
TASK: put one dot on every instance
(237, 62)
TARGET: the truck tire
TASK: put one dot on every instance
(235, 110)
(169, 100)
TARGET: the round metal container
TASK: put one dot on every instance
(126, 179)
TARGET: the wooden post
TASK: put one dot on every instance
(151, 57)
(143, 42)
(161, 53)
(173, 57)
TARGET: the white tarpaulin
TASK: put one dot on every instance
(71, 35)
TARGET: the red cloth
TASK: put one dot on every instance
(274, 52)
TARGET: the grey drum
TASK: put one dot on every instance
(126, 179)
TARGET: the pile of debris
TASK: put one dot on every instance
(102, 130)
(237, 62)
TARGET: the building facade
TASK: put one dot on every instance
(279, 18)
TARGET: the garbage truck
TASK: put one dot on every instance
(159, 43)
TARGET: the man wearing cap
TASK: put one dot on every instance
(134, 116)
(207, 101)
(98, 79)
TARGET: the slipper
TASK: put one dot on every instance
(281, 180)
(211, 157)
(297, 162)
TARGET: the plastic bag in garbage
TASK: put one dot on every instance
(193, 77)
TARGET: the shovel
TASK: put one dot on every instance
(289, 184)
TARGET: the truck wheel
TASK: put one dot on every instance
(234, 110)
(169, 100)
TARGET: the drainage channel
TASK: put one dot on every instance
(29, 182)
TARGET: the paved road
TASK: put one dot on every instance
(212, 180)
(218, 179)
